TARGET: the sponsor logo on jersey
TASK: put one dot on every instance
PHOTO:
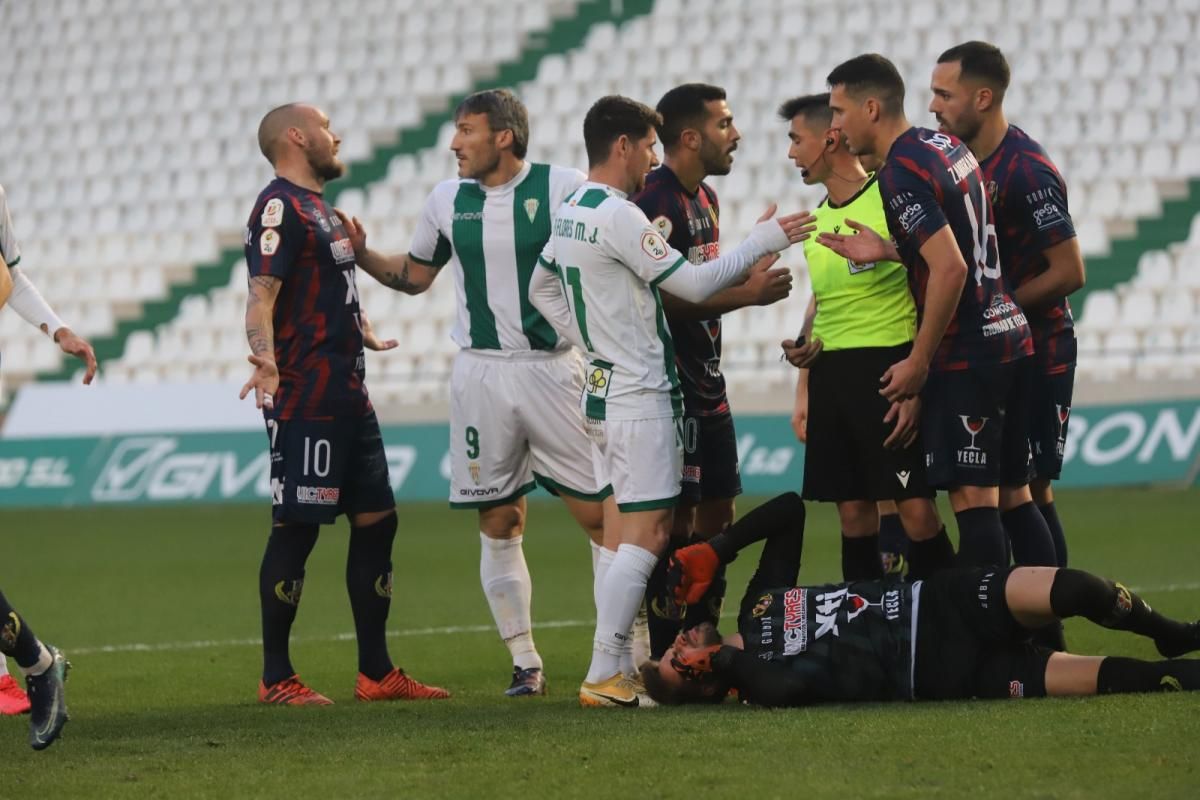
(1047, 216)
(268, 243)
(691, 473)
(891, 605)
(467, 216)
(939, 141)
(654, 246)
(272, 213)
(318, 495)
(903, 476)
(277, 488)
(972, 455)
(910, 216)
(795, 621)
(664, 226)
(1016, 689)
(699, 253)
(1064, 412)
(342, 250)
(598, 379)
(478, 492)
(531, 208)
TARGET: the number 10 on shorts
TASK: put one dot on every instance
(316, 455)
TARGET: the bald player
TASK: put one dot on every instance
(306, 334)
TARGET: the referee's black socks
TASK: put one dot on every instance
(16, 637)
(280, 583)
(928, 556)
(369, 584)
(860, 558)
(981, 538)
(1075, 593)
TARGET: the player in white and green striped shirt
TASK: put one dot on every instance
(515, 387)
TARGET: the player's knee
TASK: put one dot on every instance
(1011, 497)
(920, 519)
(502, 522)
(1039, 489)
(858, 518)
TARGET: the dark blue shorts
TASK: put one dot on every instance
(1049, 413)
(323, 468)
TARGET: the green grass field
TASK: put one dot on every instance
(158, 611)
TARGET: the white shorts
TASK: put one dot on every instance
(641, 458)
(515, 422)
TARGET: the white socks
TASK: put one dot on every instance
(618, 598)
(509, 591)
(595, 556)
(44, 662)
(603, 561)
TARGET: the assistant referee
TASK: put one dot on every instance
(860, 447)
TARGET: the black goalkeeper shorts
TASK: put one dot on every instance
(969, 644)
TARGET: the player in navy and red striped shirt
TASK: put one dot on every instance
(699, 139)
(1041, 261)
(971, 336)
(306, 334)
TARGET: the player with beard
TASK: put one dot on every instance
(960, 634)
(699, 138)
(861, 449)
(971, 336)
(1043, 264)
(306, 335)
(515, 385)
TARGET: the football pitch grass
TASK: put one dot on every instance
(157, 609)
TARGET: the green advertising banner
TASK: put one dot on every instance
(1107, 446)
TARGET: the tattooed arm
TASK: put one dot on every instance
(401, 272)
(260, 333)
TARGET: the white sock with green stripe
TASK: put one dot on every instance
(621, 594)
(509, 592)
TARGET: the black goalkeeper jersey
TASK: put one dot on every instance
(840, 642)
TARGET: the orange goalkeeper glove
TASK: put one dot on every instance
(691, 572)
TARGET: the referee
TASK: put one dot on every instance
(860, 448)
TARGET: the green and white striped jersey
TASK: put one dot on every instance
(492, 235)
(10, 251)
(610, 260)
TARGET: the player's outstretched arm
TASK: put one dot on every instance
(864, 247)
(770, 235)
(260, 333)
(400, 272)
(1064, 274)
(29, 304)
(765, 284)
(947, 275)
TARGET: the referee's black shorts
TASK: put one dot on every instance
(845, 458)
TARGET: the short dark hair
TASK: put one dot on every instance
(684, 107)
(813, 107)
(981, 61)
(612, 117)
(676, 695)
(871, 73)
(504, 112)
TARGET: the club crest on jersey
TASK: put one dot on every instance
(664, 226)
(531, 208)
(992, 191)
(654, 246)
(598, 379)
(272, 213)
(761, 606)
(322, 220)
(268, 243)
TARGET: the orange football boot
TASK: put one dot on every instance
(395, 686)
(291, 692)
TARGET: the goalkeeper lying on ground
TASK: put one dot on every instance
(962, 633)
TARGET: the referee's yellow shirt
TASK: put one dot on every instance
(858, 305)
